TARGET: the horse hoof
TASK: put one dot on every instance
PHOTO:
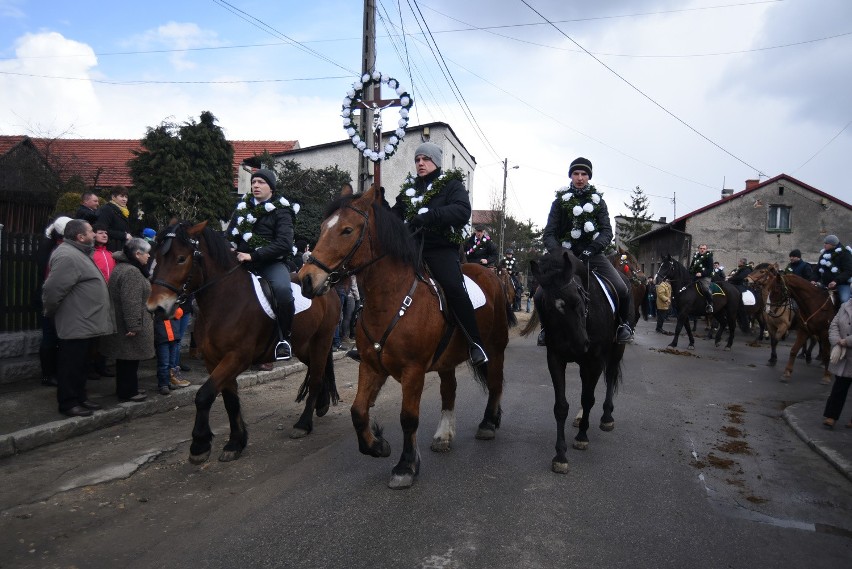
(486, 433)
(690, 347)
(576, 423)
(297, 433)
(321, 411)
(384, 449)
(726, 349)
(440, 445)
(581, 445)
(785, 379)
(559, 467)
(608, 426)
(229, 455)
(401, 481)
(199, 458)
(825, 381)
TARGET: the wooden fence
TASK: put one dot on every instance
(19, 304)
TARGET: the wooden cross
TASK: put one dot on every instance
(375, 105)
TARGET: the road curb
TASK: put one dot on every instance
(63, 429)
(833, 458)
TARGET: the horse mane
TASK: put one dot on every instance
(392, 235)
(218, 248)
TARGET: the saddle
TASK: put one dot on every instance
(267, 299)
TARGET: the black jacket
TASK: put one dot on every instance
(276, 226)
(802, 269)
(701, 263)
(448, 209)
(841, 260)
(87, 214)
(484, 249)
(739, 276)
(560, 222)
(116, 224)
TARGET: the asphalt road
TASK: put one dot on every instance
(700, 471)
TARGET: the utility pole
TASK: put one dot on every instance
(503, 208)
(368, 65)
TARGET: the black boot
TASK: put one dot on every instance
(283, 350)
(466, 320)
(624, 333)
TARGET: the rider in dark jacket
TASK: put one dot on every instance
(261, 230)
(479, 248)
(738, 276)
(439, 206)
(584, 227)
(835, 267)
(799, 267)
(701, 267)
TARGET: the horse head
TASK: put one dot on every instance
(667, 269)
(338, 251)
(564, 303)
(175, 253)
(764, 275)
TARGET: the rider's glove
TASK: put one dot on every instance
(584, 256)
(417, 221)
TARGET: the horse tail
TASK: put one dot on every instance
(532, 324)
(329, 383)
(510, 316)
(480, 374)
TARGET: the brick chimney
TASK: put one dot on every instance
(751, 183)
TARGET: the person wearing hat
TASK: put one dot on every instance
(835, 267)
(479, 248)
(799, 267)
(738, 275)
(261, 231)
(436, 209)
(509, 263)
(579, 221)
(149, 235)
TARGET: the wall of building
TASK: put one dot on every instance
(737, 228)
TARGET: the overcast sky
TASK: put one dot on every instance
(680, 98)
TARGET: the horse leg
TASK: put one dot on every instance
(611, 377)
(801, 338)
(691, 337)
(487, 429)
(202, 436)
(773, 355)
(559, 464)
(319, 388)
(447, 426)
(370, 440)
(239, 435)
(589, 374)
(406, 470)
(679, 325)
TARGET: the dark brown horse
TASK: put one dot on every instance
(233, 331)
(401, 331)
(579, 327)
(814, 308)
(508, 285)
(689, 302)
(627, 265)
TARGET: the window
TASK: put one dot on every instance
(779, 218)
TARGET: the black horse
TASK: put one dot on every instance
(689, 302)
(580, 327)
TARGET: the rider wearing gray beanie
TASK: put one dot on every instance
(431, 151)
(267, 176)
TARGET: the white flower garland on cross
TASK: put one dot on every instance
(355, 94)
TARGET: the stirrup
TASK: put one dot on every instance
(709, 309)
(283, 351)
(624, 333)
(478, 356)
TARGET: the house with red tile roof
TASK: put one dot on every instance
(102, 163)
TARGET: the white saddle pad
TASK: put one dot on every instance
(477, 297)
(748, 298)
(606, 292)
(302, 303)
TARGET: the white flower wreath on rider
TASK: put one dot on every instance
(485, 239)
(250, 212)
(355, 94)
(416, 203)
(699, 262)
(584, 209)
(828, 259)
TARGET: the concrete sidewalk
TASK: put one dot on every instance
(29, 417)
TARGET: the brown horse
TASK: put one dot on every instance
(815, 312)
(508, 285)
(233, 331)
(627, 265)
(401, 331)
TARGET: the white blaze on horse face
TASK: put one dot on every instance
(332, 221)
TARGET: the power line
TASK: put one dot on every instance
(153, 82)
(824, 146)
(638, 90)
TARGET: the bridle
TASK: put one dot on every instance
(183, 291)
(341, 270)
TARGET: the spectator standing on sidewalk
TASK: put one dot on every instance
(88, 210)
(49, 348)
(115, 217)
(134, 337)
(75, 296)
(664, 304)
(167, 344)
(840, 338)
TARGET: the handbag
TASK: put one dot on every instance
(838, 352)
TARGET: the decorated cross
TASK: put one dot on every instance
(355, 99)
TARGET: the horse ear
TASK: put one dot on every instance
(197, 228)
(568, 267)
(536, 270)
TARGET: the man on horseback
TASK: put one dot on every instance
(799, 267)
(261, 229)
(449, 208)
(579, 220)
(479, 248)
(701, 267)
(835, 267)
(738, 276)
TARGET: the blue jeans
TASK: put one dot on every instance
(167, 358)
(337, 335)
(181, 330)
(843, 292)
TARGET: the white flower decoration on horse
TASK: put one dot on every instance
(355, 95)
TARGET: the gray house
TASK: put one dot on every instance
(394, 170)
(761, 223)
